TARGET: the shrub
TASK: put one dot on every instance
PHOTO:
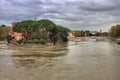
(24, 41)
(65, 39)
(19, 41)
(29, 41)
(9, 38)
(36, 41)
(42, 41)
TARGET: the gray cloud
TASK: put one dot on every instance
(74, 14)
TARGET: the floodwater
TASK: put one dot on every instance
(72, 61)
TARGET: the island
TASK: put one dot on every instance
(32, 32)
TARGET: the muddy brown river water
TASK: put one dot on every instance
(72, 61)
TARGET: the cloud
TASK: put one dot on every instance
(74, 14)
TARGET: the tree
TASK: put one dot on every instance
(26, 27)
(45, 23)
(1, 32)
(45, 26)
(4, 31)
(79, 33)
(3, 25)
(114, 31)
(87, 33)
(62, 33)
(41, 29)
(9, 38)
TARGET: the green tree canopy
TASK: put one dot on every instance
(39, 29)
(45, 23)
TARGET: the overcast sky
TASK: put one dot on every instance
(74, 14)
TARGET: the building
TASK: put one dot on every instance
(71, 35)
(17, 36)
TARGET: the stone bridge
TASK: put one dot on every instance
(93, 38)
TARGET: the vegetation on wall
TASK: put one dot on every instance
(41, 29)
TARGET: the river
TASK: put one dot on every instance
(72, 61)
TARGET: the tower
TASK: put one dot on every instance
(100, 31)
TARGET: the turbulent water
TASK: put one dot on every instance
(72, 61)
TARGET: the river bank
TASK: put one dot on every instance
(33, 45)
